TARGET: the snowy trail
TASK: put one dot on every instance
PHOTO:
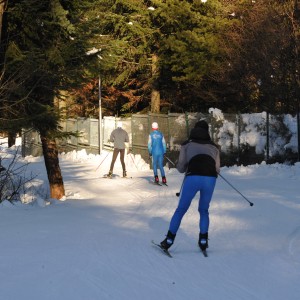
(97, 244)
(230, 262)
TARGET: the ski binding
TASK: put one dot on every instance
(166, 252)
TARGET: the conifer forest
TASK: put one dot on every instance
(59, 57)
(157, 56)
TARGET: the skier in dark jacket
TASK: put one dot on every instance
(199, 158)
(119, 137)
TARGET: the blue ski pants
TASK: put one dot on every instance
(158, 162)
(191, 185)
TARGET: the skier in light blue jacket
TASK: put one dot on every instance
(157, 148)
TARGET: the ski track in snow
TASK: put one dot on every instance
(294, 245)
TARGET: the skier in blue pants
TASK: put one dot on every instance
(157, 148)
(199, 158)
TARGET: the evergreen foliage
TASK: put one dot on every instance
(185, 36)
(234, 55)
(44, 54)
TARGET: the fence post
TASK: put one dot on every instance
(90, 131)
(100, 131)
(187, 125)
(24, 143)
(212, 126)
(168, 144)
(132, 135)
(298, 130)
(239, 137)
(77, 137)
(268, 136)
(149, 125)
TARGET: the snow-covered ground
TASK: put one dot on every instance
(96, 244)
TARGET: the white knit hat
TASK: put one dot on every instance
(119, 124)
(154, 125)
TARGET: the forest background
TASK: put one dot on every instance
(142, 56)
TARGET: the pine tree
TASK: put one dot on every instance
(44, 54)
(156, 47)
(189, 45)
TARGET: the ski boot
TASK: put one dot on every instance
(124, 174)
(203, 241)
(156, 180)
(168, 241)
(164, 180)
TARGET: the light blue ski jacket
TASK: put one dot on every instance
(156, 143)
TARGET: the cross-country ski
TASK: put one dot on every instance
(204, 252)
(155, 183)
(164, 251)
(114, 176)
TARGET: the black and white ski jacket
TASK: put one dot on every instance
(199, 155)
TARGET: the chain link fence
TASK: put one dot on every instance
(242, 138)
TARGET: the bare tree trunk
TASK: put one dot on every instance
(155, 101)
(2, 8)
(50, 153)
(11, 138)
(155, 94)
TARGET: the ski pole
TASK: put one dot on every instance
(251, 204)
(102, 161)
(169, 160)
(133, 160)
(178, 194)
